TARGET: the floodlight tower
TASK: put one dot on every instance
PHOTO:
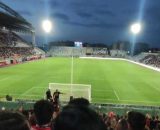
(47, 26)
(135, 29)
(33, 38)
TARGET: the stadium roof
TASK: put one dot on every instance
(11, 20)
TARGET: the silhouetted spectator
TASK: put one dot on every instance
(13, 121)
(136, 121)
(122, 125)
(43, 110)
(79, 102)
(78, 118)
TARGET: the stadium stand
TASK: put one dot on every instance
(118, 53)
(138, 57)
(7, 39)
(7, 52)
(78, 52)
(13, 48)
(66, 51)
(151, 59)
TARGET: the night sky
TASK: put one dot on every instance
(97, 21)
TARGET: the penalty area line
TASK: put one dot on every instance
(116, 95)
(25, 93)
(4, 79)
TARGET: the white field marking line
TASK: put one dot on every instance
(32, 95)
(4, 79)
(40, 87)
(74, 89)
(70, 84)
(26, 91)
(100, 58)
(19, 94)
(150, 85)
(141, 101)
(143, 65)
(116, 95)
(9, 94)
(102, 99)
(102, 90)
(155, 88)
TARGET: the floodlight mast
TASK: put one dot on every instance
(47, 28)
(33, 38)
(72, 65)
(135, 29)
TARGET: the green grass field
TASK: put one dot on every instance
(112, 81)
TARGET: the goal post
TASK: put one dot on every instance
(75, 90)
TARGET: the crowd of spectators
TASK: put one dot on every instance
(153, 60)
(8, 41)
(76, 115)
(7, 52)
(7, 38)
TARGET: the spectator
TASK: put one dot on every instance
(8, 52)
(122, 125)
(79, 102)
(136, 121)
(158, 126)
(13, 121)
(153, 60)
(43, 110)
(78, 118)
(152, 123)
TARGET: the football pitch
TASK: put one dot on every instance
(112, 81)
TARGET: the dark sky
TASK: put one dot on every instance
(103, 21)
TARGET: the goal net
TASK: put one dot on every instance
(75, 90)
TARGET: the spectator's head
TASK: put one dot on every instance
(13, 121)
(78, 118)
(136, 120)
(43, 110)
(158, 126)
(122, 125)
(79, 102)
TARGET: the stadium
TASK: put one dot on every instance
(112, 79)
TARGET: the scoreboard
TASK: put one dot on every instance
(78, 44)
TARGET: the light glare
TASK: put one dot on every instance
(47, 26)
(136, 28)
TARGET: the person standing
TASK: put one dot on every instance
(56, 96)
(48, 95)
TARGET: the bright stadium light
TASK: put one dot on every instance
(47, 26)
(136, 28)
